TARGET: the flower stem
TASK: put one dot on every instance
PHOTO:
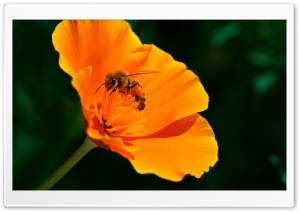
(65, 168)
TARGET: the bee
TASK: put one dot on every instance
(122, 81)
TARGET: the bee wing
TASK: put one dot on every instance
(142, 72)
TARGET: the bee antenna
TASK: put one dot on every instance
(98, 88)
(142, 72)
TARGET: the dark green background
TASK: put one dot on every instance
(242, 65)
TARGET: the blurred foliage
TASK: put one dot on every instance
(242, 65)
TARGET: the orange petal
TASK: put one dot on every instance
(187, 146)
(172, 94)
(80, 82)
(100, 44)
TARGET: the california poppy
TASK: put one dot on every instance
(166, 136)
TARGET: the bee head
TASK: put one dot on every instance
(110, 81)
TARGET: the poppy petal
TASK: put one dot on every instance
(172, 93)
(85, 43)
(187, 146)
(80, 82)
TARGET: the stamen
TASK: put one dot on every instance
(104, 108)
(119, 114)
(97, 113)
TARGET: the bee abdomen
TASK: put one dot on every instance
(142, 103)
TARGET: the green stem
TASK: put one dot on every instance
(65, 168)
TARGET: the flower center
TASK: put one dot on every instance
(118, 114)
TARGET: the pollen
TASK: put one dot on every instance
(118, 115)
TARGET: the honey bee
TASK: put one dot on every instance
(122, 81)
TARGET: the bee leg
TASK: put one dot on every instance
(128, 85)
(135, 84)
(114, 90)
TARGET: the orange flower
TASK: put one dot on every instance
(168, 137)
